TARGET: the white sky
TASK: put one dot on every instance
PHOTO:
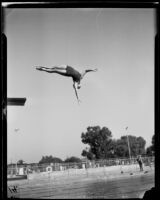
(119, 42)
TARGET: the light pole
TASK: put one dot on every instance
(128, 145)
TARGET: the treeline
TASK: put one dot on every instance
(101, 145)
(51, 159)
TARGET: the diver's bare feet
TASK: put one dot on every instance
(39, 68)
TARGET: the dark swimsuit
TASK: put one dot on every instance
(73, 73)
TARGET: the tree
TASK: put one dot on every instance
(20, 162)
(121, 148)
(87, 153)
(50, 159)
(150, 150)
(136, 145)
(73, 159)
(153, 142)
(99, 140)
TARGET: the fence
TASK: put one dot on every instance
(14, 169)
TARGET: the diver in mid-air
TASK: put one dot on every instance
(69, 71)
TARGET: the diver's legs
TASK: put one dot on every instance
(58, 70)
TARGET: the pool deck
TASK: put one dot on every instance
(102, 182)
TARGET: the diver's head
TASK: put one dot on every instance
(78, 85)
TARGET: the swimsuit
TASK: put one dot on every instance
(73, 73)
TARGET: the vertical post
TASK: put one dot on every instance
(16, 169)
(128, 146)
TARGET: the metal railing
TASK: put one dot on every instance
(14, 169)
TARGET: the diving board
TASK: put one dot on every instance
(16, 101)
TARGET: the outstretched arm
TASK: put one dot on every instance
(75, 89)
(88, 70)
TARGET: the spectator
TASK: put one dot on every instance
(140, 162)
